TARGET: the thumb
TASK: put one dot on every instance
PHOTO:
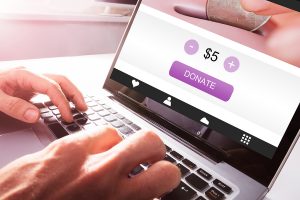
(283, 45)
(18, 108)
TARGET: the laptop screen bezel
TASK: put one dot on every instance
(283, 150)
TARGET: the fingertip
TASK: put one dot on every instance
(102, 139)
(31, 115)
(285, 40)
(80, 104)
(67, 117)
(110, 130)
(83, 107)
(161, 178)
(172, 173)
(263, 7)
(156, 142)
(255, 5)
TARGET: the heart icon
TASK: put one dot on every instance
(135, 83)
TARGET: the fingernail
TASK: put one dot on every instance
(31, 115)
(255, 5)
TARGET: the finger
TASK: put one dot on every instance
(40, 84)
(143, 147)
(282, 44)
(18, 108)
(160, 178)
(264, 7)
(95, 141)
(70, 90)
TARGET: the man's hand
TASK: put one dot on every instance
(283, 40)
(18, 86)
(92, 165)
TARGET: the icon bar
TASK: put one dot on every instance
(195, 114)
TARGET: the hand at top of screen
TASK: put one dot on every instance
(283, 39)
(264, 7)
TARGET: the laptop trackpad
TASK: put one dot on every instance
(16, 144)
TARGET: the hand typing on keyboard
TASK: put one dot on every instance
(92, 165)
(18, 86)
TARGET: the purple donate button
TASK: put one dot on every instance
(201, 81)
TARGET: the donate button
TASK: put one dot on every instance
(201, 81)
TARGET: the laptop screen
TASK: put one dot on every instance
(213, 71)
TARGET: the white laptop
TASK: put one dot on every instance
(228, 114)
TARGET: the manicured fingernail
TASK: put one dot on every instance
(31, 115)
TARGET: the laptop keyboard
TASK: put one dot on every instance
(196, 183)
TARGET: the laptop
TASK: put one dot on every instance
(227, 112)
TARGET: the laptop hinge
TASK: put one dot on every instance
(205, 149)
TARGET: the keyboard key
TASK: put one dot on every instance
(200, 198)
(97, 108)
(101, 102)
(222, 186)
(79, 116)
(196, 182)
(135, 127)
(89, 111)
(189, 164)
(97, 98)
(83, 121)
(183, 169)
(49, 103)
(104, 113)
(91, 104)
(214, 194)
(46, 115)
(94, 117)
(56, 112)
(120, 116)
(110, 118)
(127, 121)
(50, 120)
(44, 110)
(106, 107)
(58, 130)
(74, 111)
(89, 126)
(168, 148)
(53, 107)
(204, 174)
(100, 122)
(87, 99)
(146, 164)
(182, 192)
(136, 171)
(176, 155)
(66, 123)
(126, 130)
(73, 128)
(39, 105)
(117, 124)
(112, 111)
(170, 159)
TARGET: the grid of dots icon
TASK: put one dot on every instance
(246, 139)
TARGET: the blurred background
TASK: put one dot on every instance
(54, 28)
